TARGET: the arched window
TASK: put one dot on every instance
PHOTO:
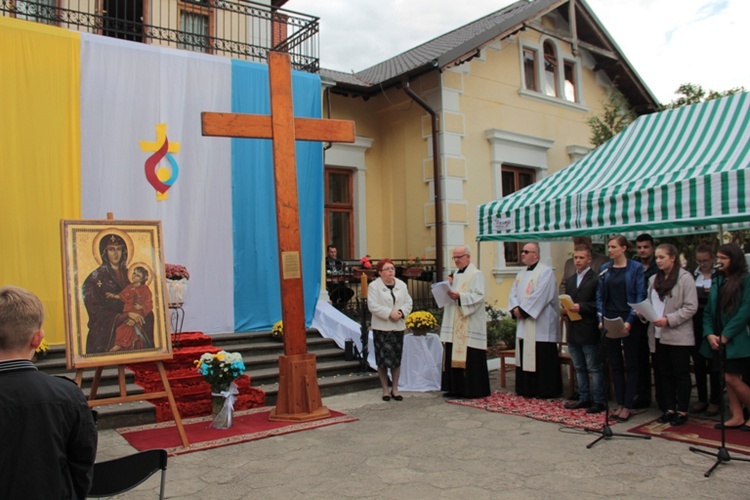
(550, 69)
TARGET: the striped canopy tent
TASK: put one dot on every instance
(675, 172)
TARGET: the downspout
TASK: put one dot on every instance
(439, 265)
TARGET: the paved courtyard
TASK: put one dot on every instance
(423, 447)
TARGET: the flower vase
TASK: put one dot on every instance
(222, 406)
(420, 332)
(217, 403)
(176, 291)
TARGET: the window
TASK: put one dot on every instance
(196, 26)
(550, 69)
(123, 20)
(40, 11)
(529, 69)
(569, 88)
(514, 179)
(339, 211)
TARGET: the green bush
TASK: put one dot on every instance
(501, 328)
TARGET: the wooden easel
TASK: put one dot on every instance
(124, 398)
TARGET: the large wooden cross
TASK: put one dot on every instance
(299, 395)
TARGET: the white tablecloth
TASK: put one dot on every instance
(421, 362)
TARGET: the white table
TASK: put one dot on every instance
(421, 362)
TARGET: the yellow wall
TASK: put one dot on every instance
(399, 165)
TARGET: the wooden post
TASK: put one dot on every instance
(299, 396)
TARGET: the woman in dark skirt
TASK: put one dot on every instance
(725, 324)
(389, 302)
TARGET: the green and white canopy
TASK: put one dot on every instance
(675, 172)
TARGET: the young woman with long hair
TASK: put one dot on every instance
(672, 293)
(725, 324)
(621, 281)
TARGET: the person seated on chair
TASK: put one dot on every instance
(47, 431)
(725, 323)
(583, 334)
(338, 292)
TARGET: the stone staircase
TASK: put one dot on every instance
(260, 353)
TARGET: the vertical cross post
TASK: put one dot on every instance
(299, 395)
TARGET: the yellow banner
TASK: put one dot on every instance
(39, 158)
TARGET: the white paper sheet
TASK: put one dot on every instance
(440, 292)
(645, 309)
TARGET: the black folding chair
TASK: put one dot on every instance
(113, 477)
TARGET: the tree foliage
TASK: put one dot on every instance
(691, 93)
(616, 117)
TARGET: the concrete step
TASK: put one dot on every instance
(260, 352)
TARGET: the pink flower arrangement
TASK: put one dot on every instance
(176, 272)
(365, 261)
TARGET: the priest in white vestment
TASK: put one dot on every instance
(535, 305)
(464, 331)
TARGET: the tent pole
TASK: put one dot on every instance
(479, 254)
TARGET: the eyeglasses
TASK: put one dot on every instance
(458, 257)
(527, 251)
(389, 269)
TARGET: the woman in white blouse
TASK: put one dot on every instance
(672, 293)
(389, 302)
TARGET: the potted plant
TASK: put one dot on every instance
(501, 331)
(177, 281)
(421, 322)
(277, 333)
(413, 268)
(364, 268)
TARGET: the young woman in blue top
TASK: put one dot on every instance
(621, 281)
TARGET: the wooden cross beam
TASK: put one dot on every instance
(299, 395)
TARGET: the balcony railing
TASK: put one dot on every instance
(418, 280)
(231, 28)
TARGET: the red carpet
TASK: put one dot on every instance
(249, 425)
(191, 392)
(698, 431)
(545, 410)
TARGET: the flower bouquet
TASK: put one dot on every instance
(177, 279)
(277, 332)
(421, 322)
(42, 350)
(220, 370)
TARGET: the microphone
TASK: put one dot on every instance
(604, 272)
(716, 266)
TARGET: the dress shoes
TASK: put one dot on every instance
(667, 417)
(620, 418)
(577, 405)
(596, 408)
(720, 425)
(679, 419)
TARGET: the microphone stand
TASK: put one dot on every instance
(722, 454)
(606, 431)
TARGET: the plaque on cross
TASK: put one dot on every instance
(299, 395)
